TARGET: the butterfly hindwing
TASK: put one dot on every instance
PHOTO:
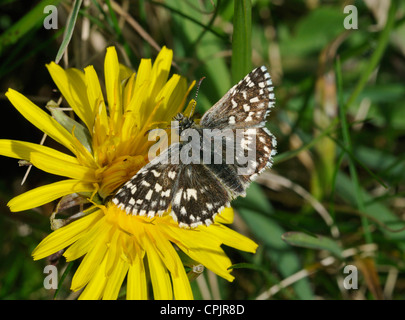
(265, 148)
(252, 151)
(199, 196)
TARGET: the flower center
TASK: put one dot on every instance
(118, 172)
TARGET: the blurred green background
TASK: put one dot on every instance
(336, 194)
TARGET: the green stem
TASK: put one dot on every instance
(241, 40)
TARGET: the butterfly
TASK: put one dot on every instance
(197, 192)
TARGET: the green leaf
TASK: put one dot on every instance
(251, 266)
(69, 30)
(80, 132)
(301, 239)
(241, 40)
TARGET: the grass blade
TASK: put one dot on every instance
(241, 42)
(301, 239)
(65, 273)
(69, 30)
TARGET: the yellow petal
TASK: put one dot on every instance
(163, 248)
(53, 165)
(232, 238)
(214, 259)
(137, 288)
(23, 150)
(72, 85)
(91, 261)
(66, 235)
(41, 195)
(162, 288)
(115, 280)
(40, 119)
(100, 125)
(173, 94)
(96, 98)
(125, 72)
(86, 242)
(95, 288)
(226, 216)
(186, 237)
(160, 71)
(142, 84)
(113, 86)
(128, 91)
(114, 251)
(181, 284)
(207, 252)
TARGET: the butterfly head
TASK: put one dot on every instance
(181, 122)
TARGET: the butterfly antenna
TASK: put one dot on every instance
(196, 94)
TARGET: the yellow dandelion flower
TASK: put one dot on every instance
(108, 146)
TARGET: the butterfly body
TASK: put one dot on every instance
(209, 174)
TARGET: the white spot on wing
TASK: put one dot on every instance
(234, 104)
(191, 193)
(166, 193)
(149, 195)
(158, 187)
(172, 174)
(155, 173)
(177, 197)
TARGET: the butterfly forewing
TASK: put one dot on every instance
(246, 104)
(150, 191)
